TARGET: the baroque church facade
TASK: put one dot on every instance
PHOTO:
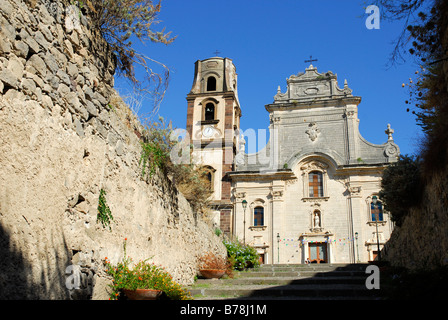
(311, 195)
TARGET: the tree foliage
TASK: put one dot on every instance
(120, 23)
(425, 38)
(401, 187)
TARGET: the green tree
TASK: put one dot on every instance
(425, 37)
(401, 187)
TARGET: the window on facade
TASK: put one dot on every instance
(258, 216)
(207, 177)
(316, 184)
(211, 84)
(376, 209)
(209, 113)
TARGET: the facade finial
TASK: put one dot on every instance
(389, 132)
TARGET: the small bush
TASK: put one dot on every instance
(241, 256)
(401, 187)
(212, 261)
(190, 179)
(143, 275)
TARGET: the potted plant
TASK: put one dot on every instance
(143, 281)
(212, 266)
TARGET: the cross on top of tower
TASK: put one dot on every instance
(217, 52)
(311, 60)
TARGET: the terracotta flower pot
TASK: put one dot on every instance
(212, 273)
(143, 294)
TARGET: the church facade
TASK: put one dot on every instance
(311, 195)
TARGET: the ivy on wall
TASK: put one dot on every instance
(104, 214)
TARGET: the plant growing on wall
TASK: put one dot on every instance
(190, 179)
(120, 23)
(104, 214)
(156, 147)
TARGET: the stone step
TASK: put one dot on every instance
(281, 281)
(286, 282)
(310, 290)
(314, 267)
(300, 273)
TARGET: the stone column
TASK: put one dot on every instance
(355, 213)
(352, 131)
(237, 213)
(277, 223)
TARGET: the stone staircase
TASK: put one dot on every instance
(290, 282)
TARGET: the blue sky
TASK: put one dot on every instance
(268, 40)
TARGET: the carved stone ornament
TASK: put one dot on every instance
(313, 131)
(350, 114)
(240, 195)
(274, 119)
(277, 194)
(389, 131)
(313, 165)
(391, 150)
(354, 191)
(212, 65)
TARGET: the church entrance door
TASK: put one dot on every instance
(318, 252)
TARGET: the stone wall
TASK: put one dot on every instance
(422, 240)
(65, 134)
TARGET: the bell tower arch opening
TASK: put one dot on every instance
(211, 83)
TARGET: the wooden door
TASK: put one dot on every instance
(318, 252)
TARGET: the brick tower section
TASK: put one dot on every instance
(227, 163)
(190, 111)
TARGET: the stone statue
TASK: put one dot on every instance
(316, 220)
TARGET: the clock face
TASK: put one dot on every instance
(208, 132)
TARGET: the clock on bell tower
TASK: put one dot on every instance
(213, 123)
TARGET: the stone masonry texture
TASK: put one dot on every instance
(65, 134)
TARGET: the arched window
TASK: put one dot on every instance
(376, 209)
(209, 113)
(211, 84)
(316, 187)
(258, 216)
(209, 178)
(206, 176)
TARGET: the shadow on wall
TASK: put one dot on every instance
(17, 281)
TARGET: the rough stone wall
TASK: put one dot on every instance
(422, 240)
(65, 134)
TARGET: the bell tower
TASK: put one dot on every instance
(213, 123)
